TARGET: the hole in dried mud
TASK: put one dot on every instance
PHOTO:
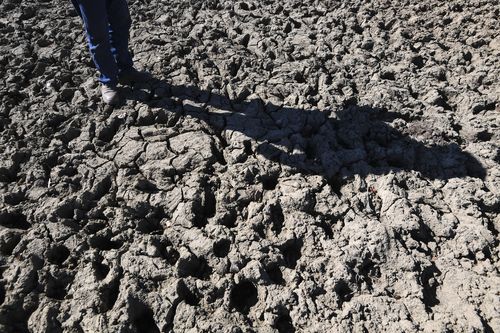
(243, 297)
(221, 248)
(194, 267)
(368, 270)
(277, 218)
(309, 131)
(357, 29)
(418, 61)
(66, 210)
(14, 199)
(55, 288)
(343, 291)
(108, 132)
(204, 270)
(149, 226)
(429, 285)
(93, 227)
(206, 209)
(230, 219)
(143, 317)
(200, 221)
(327, 228)
(215, 294)
(104, 243)
(68, 171)
(247, 147)
(50, 162)
(10, 241)
(386, 75)
(57, 254)
(299, 77)
(292, 252)
(54, 120)
(102, 188)
(284, 324)
(15, 319)
(484, 136)
(423, 234)
(490, 106)
(14, 220)
(467, 56)
(145, 185)
(110, 294)
(171, 255)
(487, 252)
(7, 176)
(219, 156)
(275, 274)
(269, 182)
(100, 270)
(210, 203)
(187, 295)
(260, 230)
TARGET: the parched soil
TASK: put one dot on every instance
(293, 166)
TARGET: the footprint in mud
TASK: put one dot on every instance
(14, 198)
(55, 285)
(275, 274)
(343, 291)
(186, 294)
(277, 218)
(205, 208)
(190, 265)
(9, 238)
(292, 252)
(14, 220)
(269, 182)
(57, 254)
(221, 248)
(109, 294)
(149, 226)
(243, 296)
(104, 243)
(284, 323)
(142, 317)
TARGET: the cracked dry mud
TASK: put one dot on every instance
(294, 166)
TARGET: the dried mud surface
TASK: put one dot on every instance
(294, 166)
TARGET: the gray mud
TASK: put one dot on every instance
(295, 166)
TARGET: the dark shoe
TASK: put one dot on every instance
(110, 94)
(132, 75)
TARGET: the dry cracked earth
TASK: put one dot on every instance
(292, 166)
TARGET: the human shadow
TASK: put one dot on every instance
(354, 139)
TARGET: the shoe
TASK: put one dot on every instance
(132, 75)
(110, 94)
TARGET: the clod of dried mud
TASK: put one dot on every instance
(295, 166)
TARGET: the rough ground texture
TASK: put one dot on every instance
(295, 166)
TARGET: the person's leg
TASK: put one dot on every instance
(119, 27)
(94, 14)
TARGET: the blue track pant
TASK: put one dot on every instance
(107, 23)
